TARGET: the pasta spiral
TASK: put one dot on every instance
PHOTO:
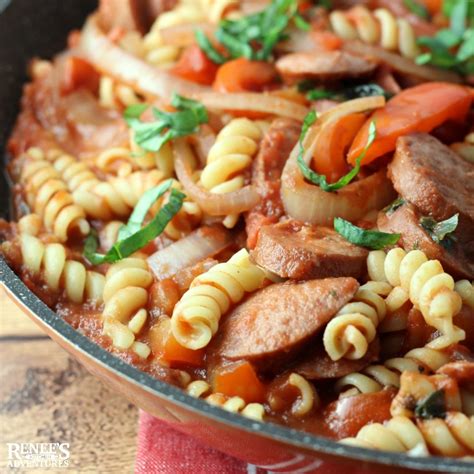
(125, 301)
(48, 196)
(377, 27)
(117, 196)
(230, 155)
(113, 95)
(349, 333)
(50, 263)
(200, 388)
(451, 436)
(375, 377)
(424, 283)
(196, 316)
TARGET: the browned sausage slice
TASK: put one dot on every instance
(435, 179)
(279, 319)
(299, 251)
(318, 365)
(455, 258)
(132, 14)
(275, 149)
(323, 66)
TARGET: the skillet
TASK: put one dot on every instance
(31, 28)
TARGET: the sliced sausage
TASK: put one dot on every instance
(323, 66)
(300, 251)
(318, 365)
(455, 257)
(276, 321)
(275, 149)
(435, 179)
(132, 14)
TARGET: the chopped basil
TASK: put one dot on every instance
(417, 8)
(319, 179)
(391, 208)
(432, 406)
(440, 231)
(372, 239)
(348, 93)
(453, 47)
(151, 136)
(254, 36)
(133, 236)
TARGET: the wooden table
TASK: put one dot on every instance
(47, 397)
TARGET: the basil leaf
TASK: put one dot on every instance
(208, 48)
(321, 93)
(458, 17)
(254, 36)
(151, 136)
(365, 90)
(371, 239)
(417, 8)
(432, 406)
(391, 208)
(440, 231)
(131, 236)
(348, 93)
(321, 180)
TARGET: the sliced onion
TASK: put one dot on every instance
(253, 101)
(309, 203)
(197, 246)
(112, 60)
(214, 204)
(203, 140)
(400, 63)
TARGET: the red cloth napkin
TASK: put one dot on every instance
(163, 450)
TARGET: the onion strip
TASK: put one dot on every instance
(309, 203)
(197, 246)
(110, 59)
(214, 204)
(401, 64)
(253, 101)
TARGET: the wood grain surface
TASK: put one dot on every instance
(47, 397)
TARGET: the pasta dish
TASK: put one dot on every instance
(269, 204)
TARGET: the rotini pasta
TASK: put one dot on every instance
(48, 197)
(201, 389)
(377, 27)
(49, 262)
(451, 436)
(230, 155)
(349, 333)
(375, 377)
(116, 96)
(196, 316)
(425, 284)
(125, 301)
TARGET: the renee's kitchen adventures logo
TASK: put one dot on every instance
(38, 455)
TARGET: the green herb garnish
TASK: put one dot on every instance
(151, 136)
(372, 239)
(133, 236)
(348, 93)
(440, 231)
(417, 8)
(319, 179)
(453, 47)
(254, 36)
(432, 406)
(391, 208)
